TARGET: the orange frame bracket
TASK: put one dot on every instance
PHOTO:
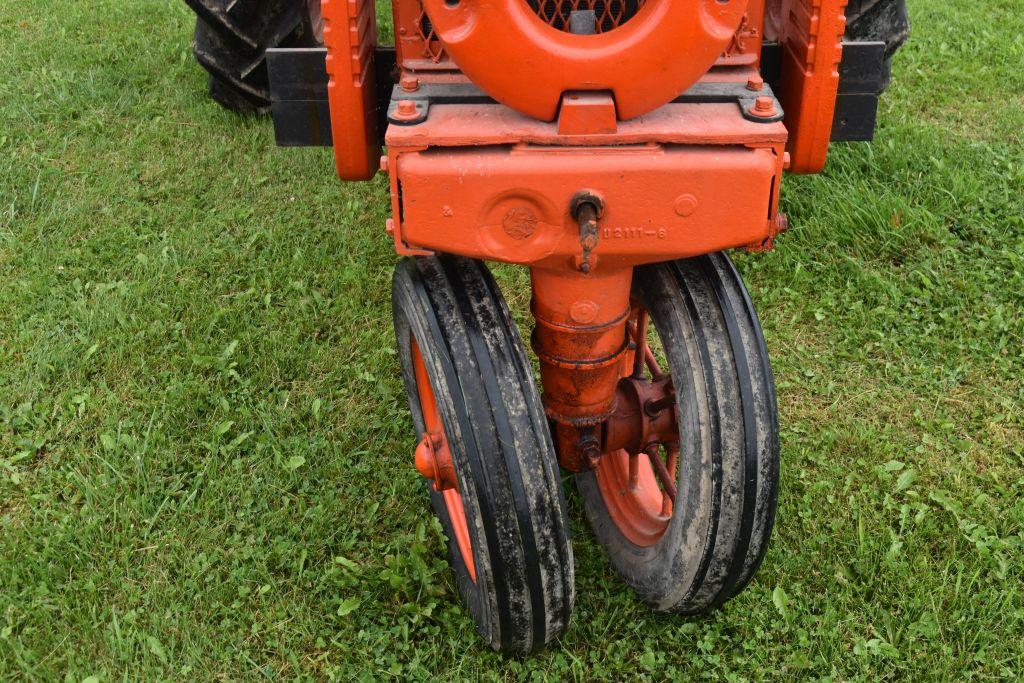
(811, 35)
(351, 29)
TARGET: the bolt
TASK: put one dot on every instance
(755, 83)
(764, 107)
(383, 164)
(410, 83)
(408, 107)
(589, 447)
(586, 208)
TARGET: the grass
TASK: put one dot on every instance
(205, 462)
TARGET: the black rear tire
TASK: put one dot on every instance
(233, 36)
(728, 467)
(454, 328)
(886, 21)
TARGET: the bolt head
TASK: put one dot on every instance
(755, 83)
(764, 107)
(410, 83)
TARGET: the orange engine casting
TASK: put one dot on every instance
(617, 149)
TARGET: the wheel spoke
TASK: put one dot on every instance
(652, 363)
(673, 460)
(659, 470)
(640, 341)
(667, 504)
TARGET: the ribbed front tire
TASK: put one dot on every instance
(726, 474)
(469, 382)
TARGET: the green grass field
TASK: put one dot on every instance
(205, 457)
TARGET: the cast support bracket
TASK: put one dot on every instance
(411, 100)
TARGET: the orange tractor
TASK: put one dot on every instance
(617, 149)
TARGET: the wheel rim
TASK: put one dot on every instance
(639, 489)
(433, 425)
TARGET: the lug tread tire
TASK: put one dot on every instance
(501, 445)
(879, 20)
(729, 457)
(231, 40)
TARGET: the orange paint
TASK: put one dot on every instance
(350, 29)
(811, 33)
(432, 470)
(524, 63)
(588, 114)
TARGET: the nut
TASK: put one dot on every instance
(406, 110)
(764, 107)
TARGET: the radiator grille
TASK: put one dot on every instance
(610, 13)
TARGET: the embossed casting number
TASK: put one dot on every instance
(634, 233)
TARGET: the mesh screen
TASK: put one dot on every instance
(610, 13)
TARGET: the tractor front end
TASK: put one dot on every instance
(617, 149)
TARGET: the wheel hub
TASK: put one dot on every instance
(434, 461)
(643, 415)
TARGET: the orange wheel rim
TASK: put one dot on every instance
(638, 508)
(639, 489)
(433, 425)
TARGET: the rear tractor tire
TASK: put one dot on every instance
(232, 38)
(886, 21)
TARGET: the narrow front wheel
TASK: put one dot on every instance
(484, 445)
(685, 518)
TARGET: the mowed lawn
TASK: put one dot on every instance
(205, 457)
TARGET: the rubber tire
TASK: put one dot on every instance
(879, 20)
(729, 452)
(231, 41)
(501, 446)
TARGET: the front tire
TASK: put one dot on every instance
(472, 391)
(692, 553)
